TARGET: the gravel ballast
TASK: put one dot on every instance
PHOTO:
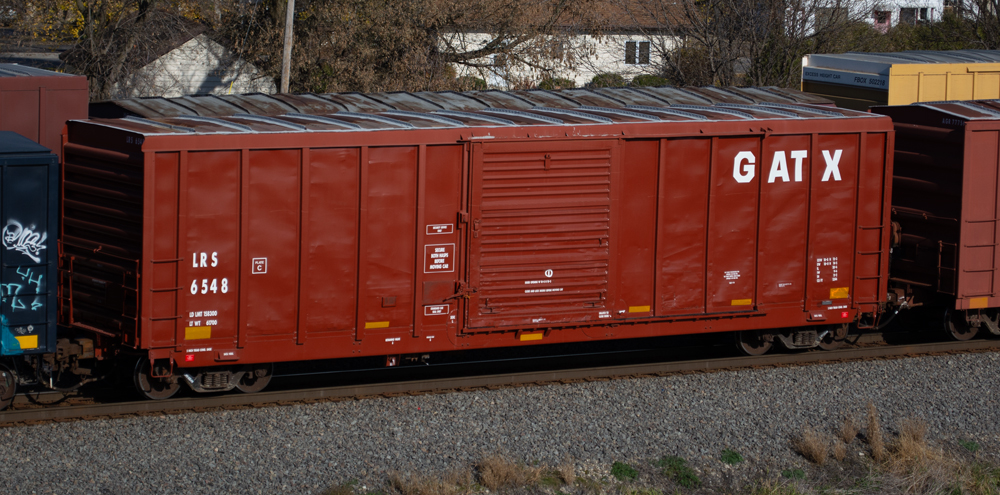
(304, 449)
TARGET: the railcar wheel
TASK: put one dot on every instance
(957, 327)
(991, 320)
(835, 338)
(255, 380)
(753, 342)
(151, 387)
(8, 386)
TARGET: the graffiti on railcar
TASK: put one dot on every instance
(28, 295)
(25, 240)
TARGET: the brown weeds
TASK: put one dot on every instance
(496, 472)
(839, 451)
(567, 471)
(452, 483)
(848, 429)
(811, 444)
(874, 435)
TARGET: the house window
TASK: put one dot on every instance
(637, 52)
(912, 16)
(882, 18)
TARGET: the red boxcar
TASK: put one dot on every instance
(233, 241)
(36, 103)
(945, 204)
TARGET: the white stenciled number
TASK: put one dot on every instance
(215, 286)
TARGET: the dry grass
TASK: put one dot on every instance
(567, 471)
(839, 451)
(452, 483)
(496, 472)
(848, 429)
(874, 435)
(812, 444)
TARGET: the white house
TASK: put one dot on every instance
(197, 65)
(578, 57)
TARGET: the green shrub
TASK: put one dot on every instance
(607, 80)
(556, 83)
(794, 474)
(730, 456)
(623, 471)
(646, 80)
(676, 468)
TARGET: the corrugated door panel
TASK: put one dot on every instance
(637, 228)
(683, 216)
(870, 260)
(784, 184)
(209, 233)
(832, 221)
(330, 238)
(389, 237)
(271, 243)
(541, 224)
(732, 225)
(165, 260)
(439, 237)
(979, 216)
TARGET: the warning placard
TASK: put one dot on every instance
(439, 258)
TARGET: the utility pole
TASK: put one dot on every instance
(286, 56)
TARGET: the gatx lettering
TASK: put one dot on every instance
(745, 162)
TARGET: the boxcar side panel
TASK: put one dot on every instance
(439, 236)
(20, 112)
(166, 259)
(784, 183)
(832, 221)
(390, 190)
(270, 245)
(870, 264)
(977, 253)
(732, 225)
(637, 228)
(682, 221)
(330, 242)
(210, 236)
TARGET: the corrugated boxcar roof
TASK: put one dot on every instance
(880, 63)
(452, 110)
(962, 110)
(15, 70)
(279, 104)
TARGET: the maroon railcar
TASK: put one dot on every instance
(945, 203)
(36, 103)
(218, 245)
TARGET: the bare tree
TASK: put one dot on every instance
(381, 45)
(747, 42)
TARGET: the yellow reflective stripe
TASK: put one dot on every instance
(28, 341)
(979, 302)
(376, 324)
(638, 309)
(197, 333)
(532, 336)
(840, 293)
(742, 302)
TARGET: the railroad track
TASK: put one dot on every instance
(77, 410)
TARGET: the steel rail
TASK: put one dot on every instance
(444, 385)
